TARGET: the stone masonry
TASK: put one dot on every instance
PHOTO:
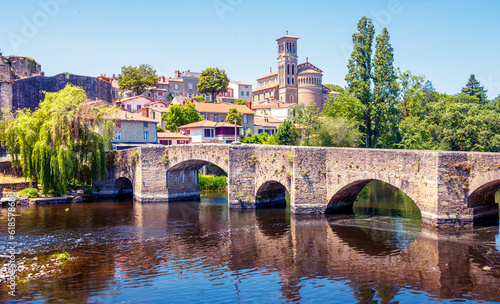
(450, 188)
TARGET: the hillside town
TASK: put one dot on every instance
(140, 117)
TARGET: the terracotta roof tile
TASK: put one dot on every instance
(269, 75)
(220, 107)
(266, 87)
(208, 124)
(168, 134)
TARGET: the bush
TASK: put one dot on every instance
(29, 192)
(212, 183)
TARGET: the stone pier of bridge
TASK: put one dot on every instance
(450, 188)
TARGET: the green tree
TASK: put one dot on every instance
(359, 73)
(240, 101)
(262, 139)
(199, 99)
(286, 134)
(234, 116)
(474, 88)
(385, 89)
(337, 132)
(213, 81)
(137, 79)
(178, 116)
(57, 139)
(345, 105)
(307, 118)
(335, 88)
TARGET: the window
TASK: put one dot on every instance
(167, 142)
(118, 124)
(118, 135)
(190, 85)
(209, 133)
(145, 125)
(245, 118)
(207, 116)
(248, 93)
(293, 80)
(154, 115)
(188, 132)
(129, 107)
(215, 117)
(145, 134)
(176, 86)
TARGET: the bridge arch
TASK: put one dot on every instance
(344, 199)
(271, 193)
(123, 187)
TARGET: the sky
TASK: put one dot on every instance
(446, 41)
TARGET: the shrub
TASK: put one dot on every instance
(212, 183)
(29, 192)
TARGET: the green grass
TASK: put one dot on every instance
(29, 192)
(61, 256)
(212, 183)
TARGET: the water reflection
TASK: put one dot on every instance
(204, 252)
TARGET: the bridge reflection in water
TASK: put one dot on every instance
(211, 253)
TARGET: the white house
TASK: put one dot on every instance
(210, 131)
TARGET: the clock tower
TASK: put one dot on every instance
(287, 68)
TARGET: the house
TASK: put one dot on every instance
(115, 87)
(217, 112)
(133, 130)
(279, 111)
(173, 138)
(265, 124)
(206, 131)
(241, 90)
(155, 113)
(134, 103)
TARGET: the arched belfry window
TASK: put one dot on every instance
(288, 69)
(293, 70)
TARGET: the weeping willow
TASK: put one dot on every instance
(55, 141)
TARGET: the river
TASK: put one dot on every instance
(198, 252)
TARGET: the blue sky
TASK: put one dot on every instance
(444, 40)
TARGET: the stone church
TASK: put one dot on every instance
(292, 82)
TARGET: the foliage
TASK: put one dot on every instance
(178, 116)
(385, 90)
(58, 138)
(474, 88)
(262, 139)
(335, 88)
(287, 134)
(213, 81)
(307, 118)
(337, 132)
(137, 79)
(29, 192)
(159, 129)
(345, 105)
(360, 70)
(374, 84)
(212, 183)
(240, 101)
(134, 157)
(200, 99)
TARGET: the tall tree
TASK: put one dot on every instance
(360, 71)
(57, 139)
(345, 105)
(137, 79)
(178, 116)
(385, 85)
(213, 81)
(234, 116)
(287, 134)
(474, 88)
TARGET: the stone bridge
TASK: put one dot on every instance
(450, 188)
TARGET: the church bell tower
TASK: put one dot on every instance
(287, 68)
